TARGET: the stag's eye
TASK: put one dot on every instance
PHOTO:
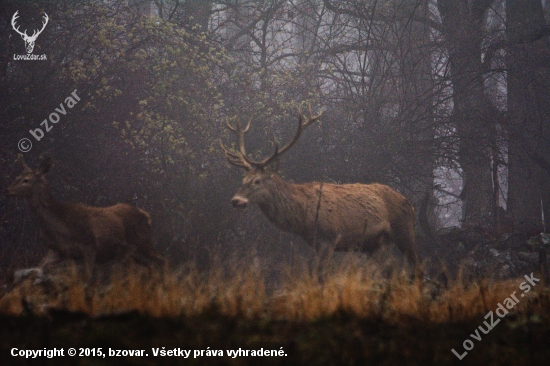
(257, 181)
(25, 180)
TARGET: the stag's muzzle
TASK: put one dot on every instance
(239, 202)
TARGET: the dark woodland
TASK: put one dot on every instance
(446, 103)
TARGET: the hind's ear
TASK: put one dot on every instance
(26, 169)
(45, 166)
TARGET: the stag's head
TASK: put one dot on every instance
(29, 40)
(25, 184)
(258, 178)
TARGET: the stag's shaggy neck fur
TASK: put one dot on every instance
(285, 206)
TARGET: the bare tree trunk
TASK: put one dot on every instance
(417, 106)
(529, 115)
(473, 114)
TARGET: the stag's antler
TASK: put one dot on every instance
(241, 160)
(238, 159)
(303, 122)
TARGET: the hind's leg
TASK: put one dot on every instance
(51, 257)
(88, 257)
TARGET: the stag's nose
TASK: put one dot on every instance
(6, 193)
(239, 202)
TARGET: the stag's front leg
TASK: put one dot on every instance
(323, 258)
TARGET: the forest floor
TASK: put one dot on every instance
(360, 314)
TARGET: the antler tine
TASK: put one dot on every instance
(240, 137)
(310, 119)
(239, 159)
(248, 124)
(234, 158)
(301, 125)
(228, 125)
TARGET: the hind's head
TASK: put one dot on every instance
(26, 183)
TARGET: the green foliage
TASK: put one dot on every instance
(161, 73)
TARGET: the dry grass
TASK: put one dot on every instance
(354, 290)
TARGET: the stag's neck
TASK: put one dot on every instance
(284, 208)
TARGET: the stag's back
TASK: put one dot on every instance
(356, 213)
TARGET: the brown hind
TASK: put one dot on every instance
(82, 233)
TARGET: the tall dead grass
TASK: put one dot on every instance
(352, 289)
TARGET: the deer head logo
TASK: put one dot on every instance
(29, 40)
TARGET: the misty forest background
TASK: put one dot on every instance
(446, 101)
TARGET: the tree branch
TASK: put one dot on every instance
(384, 18)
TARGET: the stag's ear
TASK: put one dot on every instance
(45, 166)
(273, 167)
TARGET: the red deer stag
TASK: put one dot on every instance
(341, 217)
(84, 233)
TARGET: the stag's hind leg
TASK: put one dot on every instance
(379, 253)
(403, 238)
